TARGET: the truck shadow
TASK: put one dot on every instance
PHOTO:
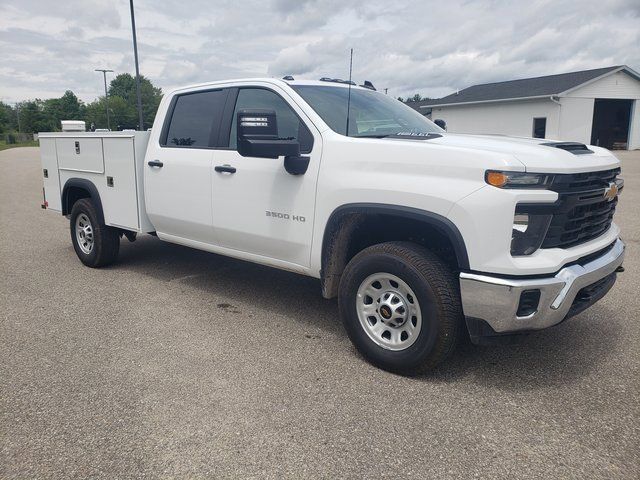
(560, 355)
(238, 283)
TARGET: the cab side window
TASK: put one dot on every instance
(195, 120)
(289, 124)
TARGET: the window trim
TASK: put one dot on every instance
(213, 133)
(230, 107)
(224, 133)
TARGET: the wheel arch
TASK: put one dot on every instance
(77, 188)
(342, 238)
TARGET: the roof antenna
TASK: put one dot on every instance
(349, 94)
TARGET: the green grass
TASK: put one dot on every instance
(4, 146)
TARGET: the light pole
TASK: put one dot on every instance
(106, 95)
(18, 115)
(135, 56)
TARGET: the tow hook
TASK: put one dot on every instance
(620, 269)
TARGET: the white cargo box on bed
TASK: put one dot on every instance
(112, 161)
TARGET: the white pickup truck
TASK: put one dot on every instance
(421, 234)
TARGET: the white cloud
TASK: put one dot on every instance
(430, 47)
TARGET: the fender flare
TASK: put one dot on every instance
(443, 224)
(84, 184)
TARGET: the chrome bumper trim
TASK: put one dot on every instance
(495, 300)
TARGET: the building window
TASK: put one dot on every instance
(539, 127)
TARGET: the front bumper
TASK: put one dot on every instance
(495, 300)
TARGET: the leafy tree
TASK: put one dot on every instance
(416, 98)
(45, 115)
(401, 99)
(40, 115)
(7, 118)
(124, 86)
(70, 107)
(122, 115)
(32, 118)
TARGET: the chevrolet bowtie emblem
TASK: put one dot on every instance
(611, 192)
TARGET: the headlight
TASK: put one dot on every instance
(528, 232)
(517, 179)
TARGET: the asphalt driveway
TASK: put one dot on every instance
(179, 363)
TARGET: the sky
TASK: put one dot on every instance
(427, 47)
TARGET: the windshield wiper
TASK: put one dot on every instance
(373, 136)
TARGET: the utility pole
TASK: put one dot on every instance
(106, 95)
(135, 56)
(18, 115)
(386, 90)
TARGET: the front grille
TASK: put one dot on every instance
(582, 213)
(579, 182)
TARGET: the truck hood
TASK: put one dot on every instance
(531, 152)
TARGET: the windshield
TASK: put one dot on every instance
(371, 114)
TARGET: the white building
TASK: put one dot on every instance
(598, 107)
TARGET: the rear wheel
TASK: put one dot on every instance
(400, 305)
(96, 244)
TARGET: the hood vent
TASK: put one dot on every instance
(571, 147)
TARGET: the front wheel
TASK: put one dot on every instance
(96, 244)
(400, 305)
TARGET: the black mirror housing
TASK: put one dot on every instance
(441, 123)
(258, 136)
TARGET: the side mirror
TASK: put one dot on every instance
(441, 123)
(258, 136)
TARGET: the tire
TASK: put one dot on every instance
(97, 245)
(423, 286)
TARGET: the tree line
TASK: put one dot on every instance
(416, 98)
(32, 116)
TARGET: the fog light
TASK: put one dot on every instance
(529, 301)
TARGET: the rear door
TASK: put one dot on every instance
(178, 181)
(50, 173)
(259, 208)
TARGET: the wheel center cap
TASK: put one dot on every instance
(392, 309)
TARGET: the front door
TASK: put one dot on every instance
(261, 209)
(180, 168)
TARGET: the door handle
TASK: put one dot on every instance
(225, 169)
(155, 163)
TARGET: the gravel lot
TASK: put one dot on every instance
(179, 363)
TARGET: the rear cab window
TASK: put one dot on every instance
(194, 120)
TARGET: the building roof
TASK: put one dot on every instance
(422, 103)
(537, 87)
